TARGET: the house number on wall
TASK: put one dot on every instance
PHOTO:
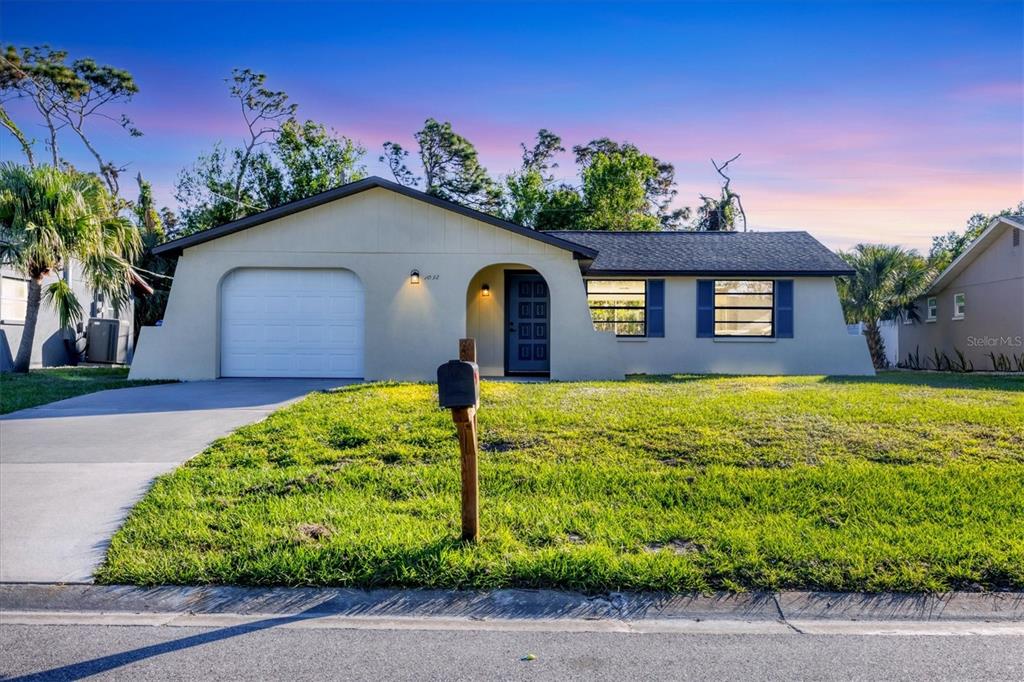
(427, 278)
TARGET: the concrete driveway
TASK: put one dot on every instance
(70, 471)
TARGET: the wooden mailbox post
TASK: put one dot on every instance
(464, 416)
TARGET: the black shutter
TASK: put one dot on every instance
(705, 308)
(784, 309)
(656, 308)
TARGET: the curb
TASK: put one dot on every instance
(513, 604)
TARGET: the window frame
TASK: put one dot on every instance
(642, 308)
(4, 296)
(715, 308)
(959, 307)
(931, 307)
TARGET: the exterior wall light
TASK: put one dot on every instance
(485, 290)
(414, 277)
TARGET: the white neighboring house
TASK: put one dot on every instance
(51, 346)
(379, 281)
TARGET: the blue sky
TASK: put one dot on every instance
(876, 121)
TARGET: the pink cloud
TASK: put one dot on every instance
(1010, 92)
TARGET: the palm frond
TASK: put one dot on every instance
(62, 298)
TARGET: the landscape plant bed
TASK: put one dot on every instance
(907, 482)
(42, 386)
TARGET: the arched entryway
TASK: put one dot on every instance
(508, 312)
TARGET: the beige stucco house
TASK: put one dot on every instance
(379, 281)
(976, 305)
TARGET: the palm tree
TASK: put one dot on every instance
(48, 218)
(884, 285)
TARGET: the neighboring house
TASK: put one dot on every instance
(976, 305)
(379, 281)
(48, 345)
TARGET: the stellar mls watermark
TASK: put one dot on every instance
(995, 341)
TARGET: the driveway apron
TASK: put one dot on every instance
(70, 471)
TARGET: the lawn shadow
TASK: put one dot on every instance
(670, 378)
(187, 396)
(964, 381)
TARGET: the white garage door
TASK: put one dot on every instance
(291, 323)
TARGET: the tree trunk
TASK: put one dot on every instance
(18, 135)
(28, 333)
(875, 345)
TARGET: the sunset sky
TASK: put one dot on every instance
(885, 121)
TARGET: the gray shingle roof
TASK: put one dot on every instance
(698, 253)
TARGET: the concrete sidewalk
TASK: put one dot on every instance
(70, 471)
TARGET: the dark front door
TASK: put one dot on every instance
(527, 328)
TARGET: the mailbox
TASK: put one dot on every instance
(458, 384)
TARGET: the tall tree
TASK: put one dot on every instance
(659, 186)
(314, 159)
(528, 189)
(451, 167)
(48, 218)
(885, 283)
(264, 112)
(70, 96)
(280, 159)
(397, 159)
(615, 191)
(720, 215)
(946, 248)
(158, 270)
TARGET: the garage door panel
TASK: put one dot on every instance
(280, 323)
(279, 333)
(311, 304)
(311, 335)
(344, 363)
(345, 335)
(349, 306)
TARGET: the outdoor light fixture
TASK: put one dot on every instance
(485, 290)
(414, 277)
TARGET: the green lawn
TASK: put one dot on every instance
(41, 386)
(903, 482)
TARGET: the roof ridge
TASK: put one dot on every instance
(641, 232)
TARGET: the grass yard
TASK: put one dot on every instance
(41, 386)
(902, 482)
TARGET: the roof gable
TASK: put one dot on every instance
(963, 261)
(176, 246)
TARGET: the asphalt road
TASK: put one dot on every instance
(267, 652)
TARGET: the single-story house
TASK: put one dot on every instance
(379, 281)
(975, 305)
(51, 345)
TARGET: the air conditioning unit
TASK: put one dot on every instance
(107, 341)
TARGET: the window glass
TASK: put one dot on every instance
(745, 286)
(933, 308)
(743, 328)
(743, 300)
(618, 306)
(13, 299)
(744, 308)
(742, 315)
(959, 305)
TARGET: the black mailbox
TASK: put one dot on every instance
(458, 384)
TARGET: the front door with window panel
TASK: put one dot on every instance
(527, 324)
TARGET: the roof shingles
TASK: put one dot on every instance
(696, 253)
